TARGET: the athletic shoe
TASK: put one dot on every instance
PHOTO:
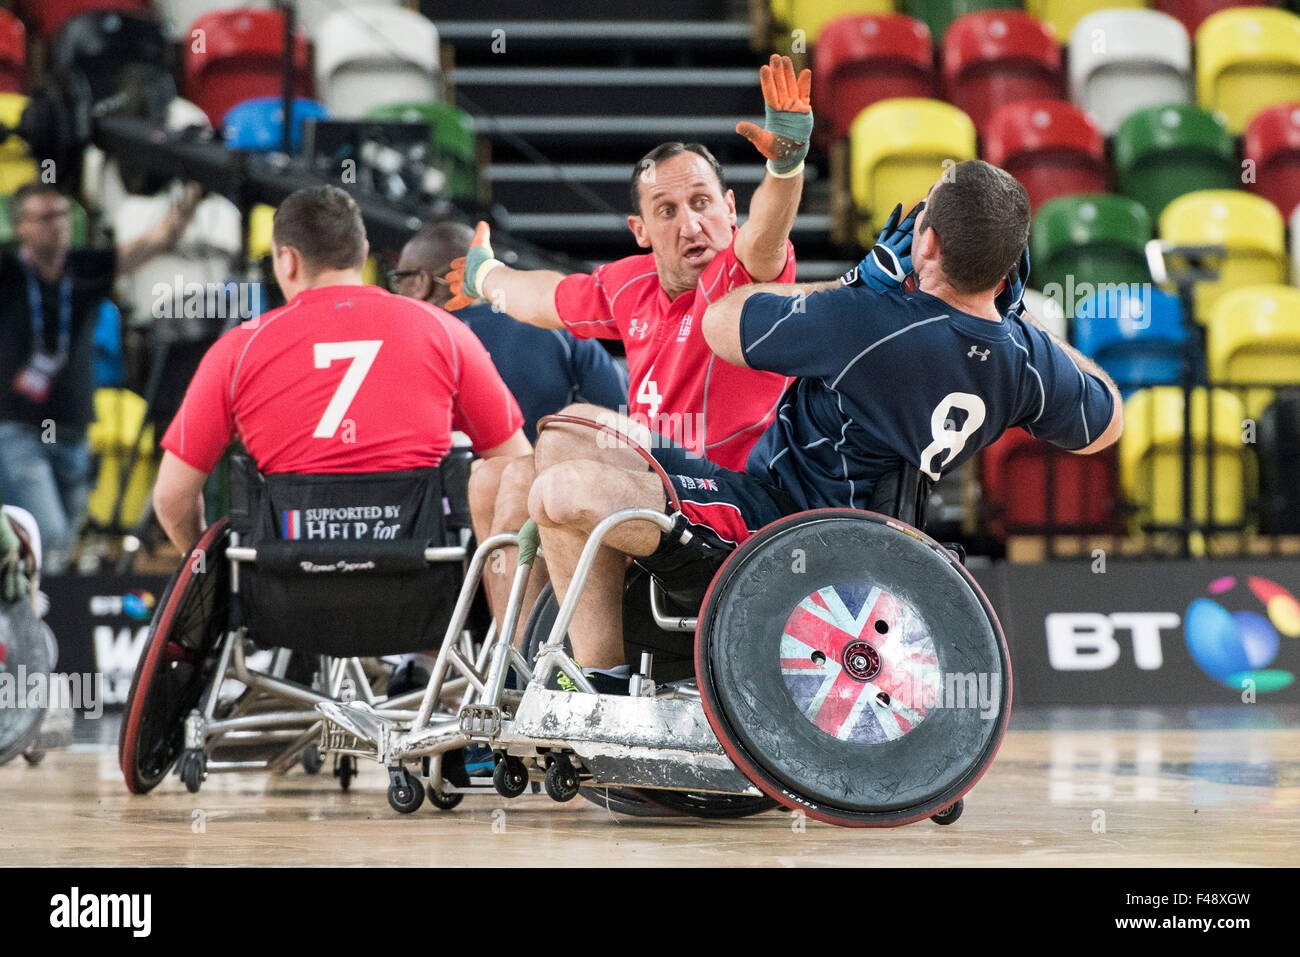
(603, 683)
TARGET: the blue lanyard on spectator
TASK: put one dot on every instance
(37, 311)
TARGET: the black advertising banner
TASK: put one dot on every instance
(1150, 633)
(100, 622)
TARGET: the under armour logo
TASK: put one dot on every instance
(633, 331)
(983, 356)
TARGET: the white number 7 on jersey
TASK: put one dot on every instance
(362, 352)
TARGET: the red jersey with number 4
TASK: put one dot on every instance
(343, 379)
(678, 386)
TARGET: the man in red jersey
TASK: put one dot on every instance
(344, 378)
(685, 215)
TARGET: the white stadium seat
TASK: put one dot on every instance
(366, 56)
(1049, 312)
(313, 13)
(179, 15)
(1123, 60)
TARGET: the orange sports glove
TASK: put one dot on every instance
(788, 119)
(467, 272)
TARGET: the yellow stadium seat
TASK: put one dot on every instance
(1247, 58)
(16, 165)
(1062, 15)
(1253, 337)
(259, 231)
(898, 149)
(118, 414)
(811, 15)
(1249, 226)
(1150, 457)
(371, 274)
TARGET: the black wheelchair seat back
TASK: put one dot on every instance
(340, 566)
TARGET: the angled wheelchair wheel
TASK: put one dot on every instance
(176, 663)
(712, 806)
(853, 669)
(25, 650)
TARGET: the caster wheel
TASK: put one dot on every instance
(562, 779)
(33, 757)
(345, 771)
(194, 768)
(510, 777)
(442, 800)
(405, 792)
(312, 759)
(949, 814)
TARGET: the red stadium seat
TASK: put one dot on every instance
(1273, 142)
(1080, 497)
(1191, 13)
(45, 17)
(1052, 147)
(13, 54)
(995, 57)
(862, 59)
(240, 59)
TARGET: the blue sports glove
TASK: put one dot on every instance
(1010, 301)
(889, 262)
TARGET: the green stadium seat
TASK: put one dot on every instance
(451, 138)
(938, 15)
(1163, 152)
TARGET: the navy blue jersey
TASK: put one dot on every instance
(546, 369)
(887, 377)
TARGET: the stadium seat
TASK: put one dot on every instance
(1079, 243)
(239, 58)
(1246, 59)
(1163, 152)
(1052, 147)
(811, 16)
(1278, 448)
(939, 15)
(899, 148)
(16, 164)
(119, 414)
(1192, 13)
(452, 141)
(1135, 333)
(1253, 339)
(1273, 143)
(1123, 60)
(45, 17)
(257, 125)
(1033, 487)
(1063, 15)
(395, 59)
(260, 218)
(1150, 457)
(13, 54)
(1250, 228)
(998, 57)
(116, 52)
(861, 60)
(1049, 312)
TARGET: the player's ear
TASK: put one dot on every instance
(731, 205)
(637, 225)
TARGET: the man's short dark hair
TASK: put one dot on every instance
(437, 244)
(667, 151)
(324, 224)
(981, 215)
(25, 192)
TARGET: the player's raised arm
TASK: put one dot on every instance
(721, 323)
(783, 139)
(524, 294)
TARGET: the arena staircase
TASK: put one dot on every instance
(569, 107)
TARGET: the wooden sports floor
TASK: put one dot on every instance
(1094, 788)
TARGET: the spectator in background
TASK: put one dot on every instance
(51, 297)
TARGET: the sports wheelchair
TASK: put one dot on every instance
(316, 575)
(842, 664)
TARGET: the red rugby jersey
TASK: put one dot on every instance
(343, 379)
(677, 385)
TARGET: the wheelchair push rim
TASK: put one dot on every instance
(175, 663)
(834, 652)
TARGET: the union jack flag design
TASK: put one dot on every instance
(291, 523)
(859, 663)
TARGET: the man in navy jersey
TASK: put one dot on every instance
(885, 376)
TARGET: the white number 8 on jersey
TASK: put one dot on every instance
(951, 441)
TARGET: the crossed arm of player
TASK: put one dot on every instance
(529, 295)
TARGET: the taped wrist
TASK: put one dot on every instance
(480, 274)
(796, 127)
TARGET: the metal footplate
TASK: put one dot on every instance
(639, 742)
(480, 720)
(354, 728)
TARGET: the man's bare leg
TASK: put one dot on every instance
(567, 501)
(498, 497)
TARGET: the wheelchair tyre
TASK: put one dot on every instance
(562, 779)
(627, 801)
(443, 800)
(345, 770)
(33, 757)
(406, 796)
(539, 623)
(848, 732)
(24, 644)
(712, 806)
(510, 777)
(950, 814)
(312, 759)
(176, 663)
(193, 769)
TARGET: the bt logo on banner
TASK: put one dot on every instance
(1086, 641)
